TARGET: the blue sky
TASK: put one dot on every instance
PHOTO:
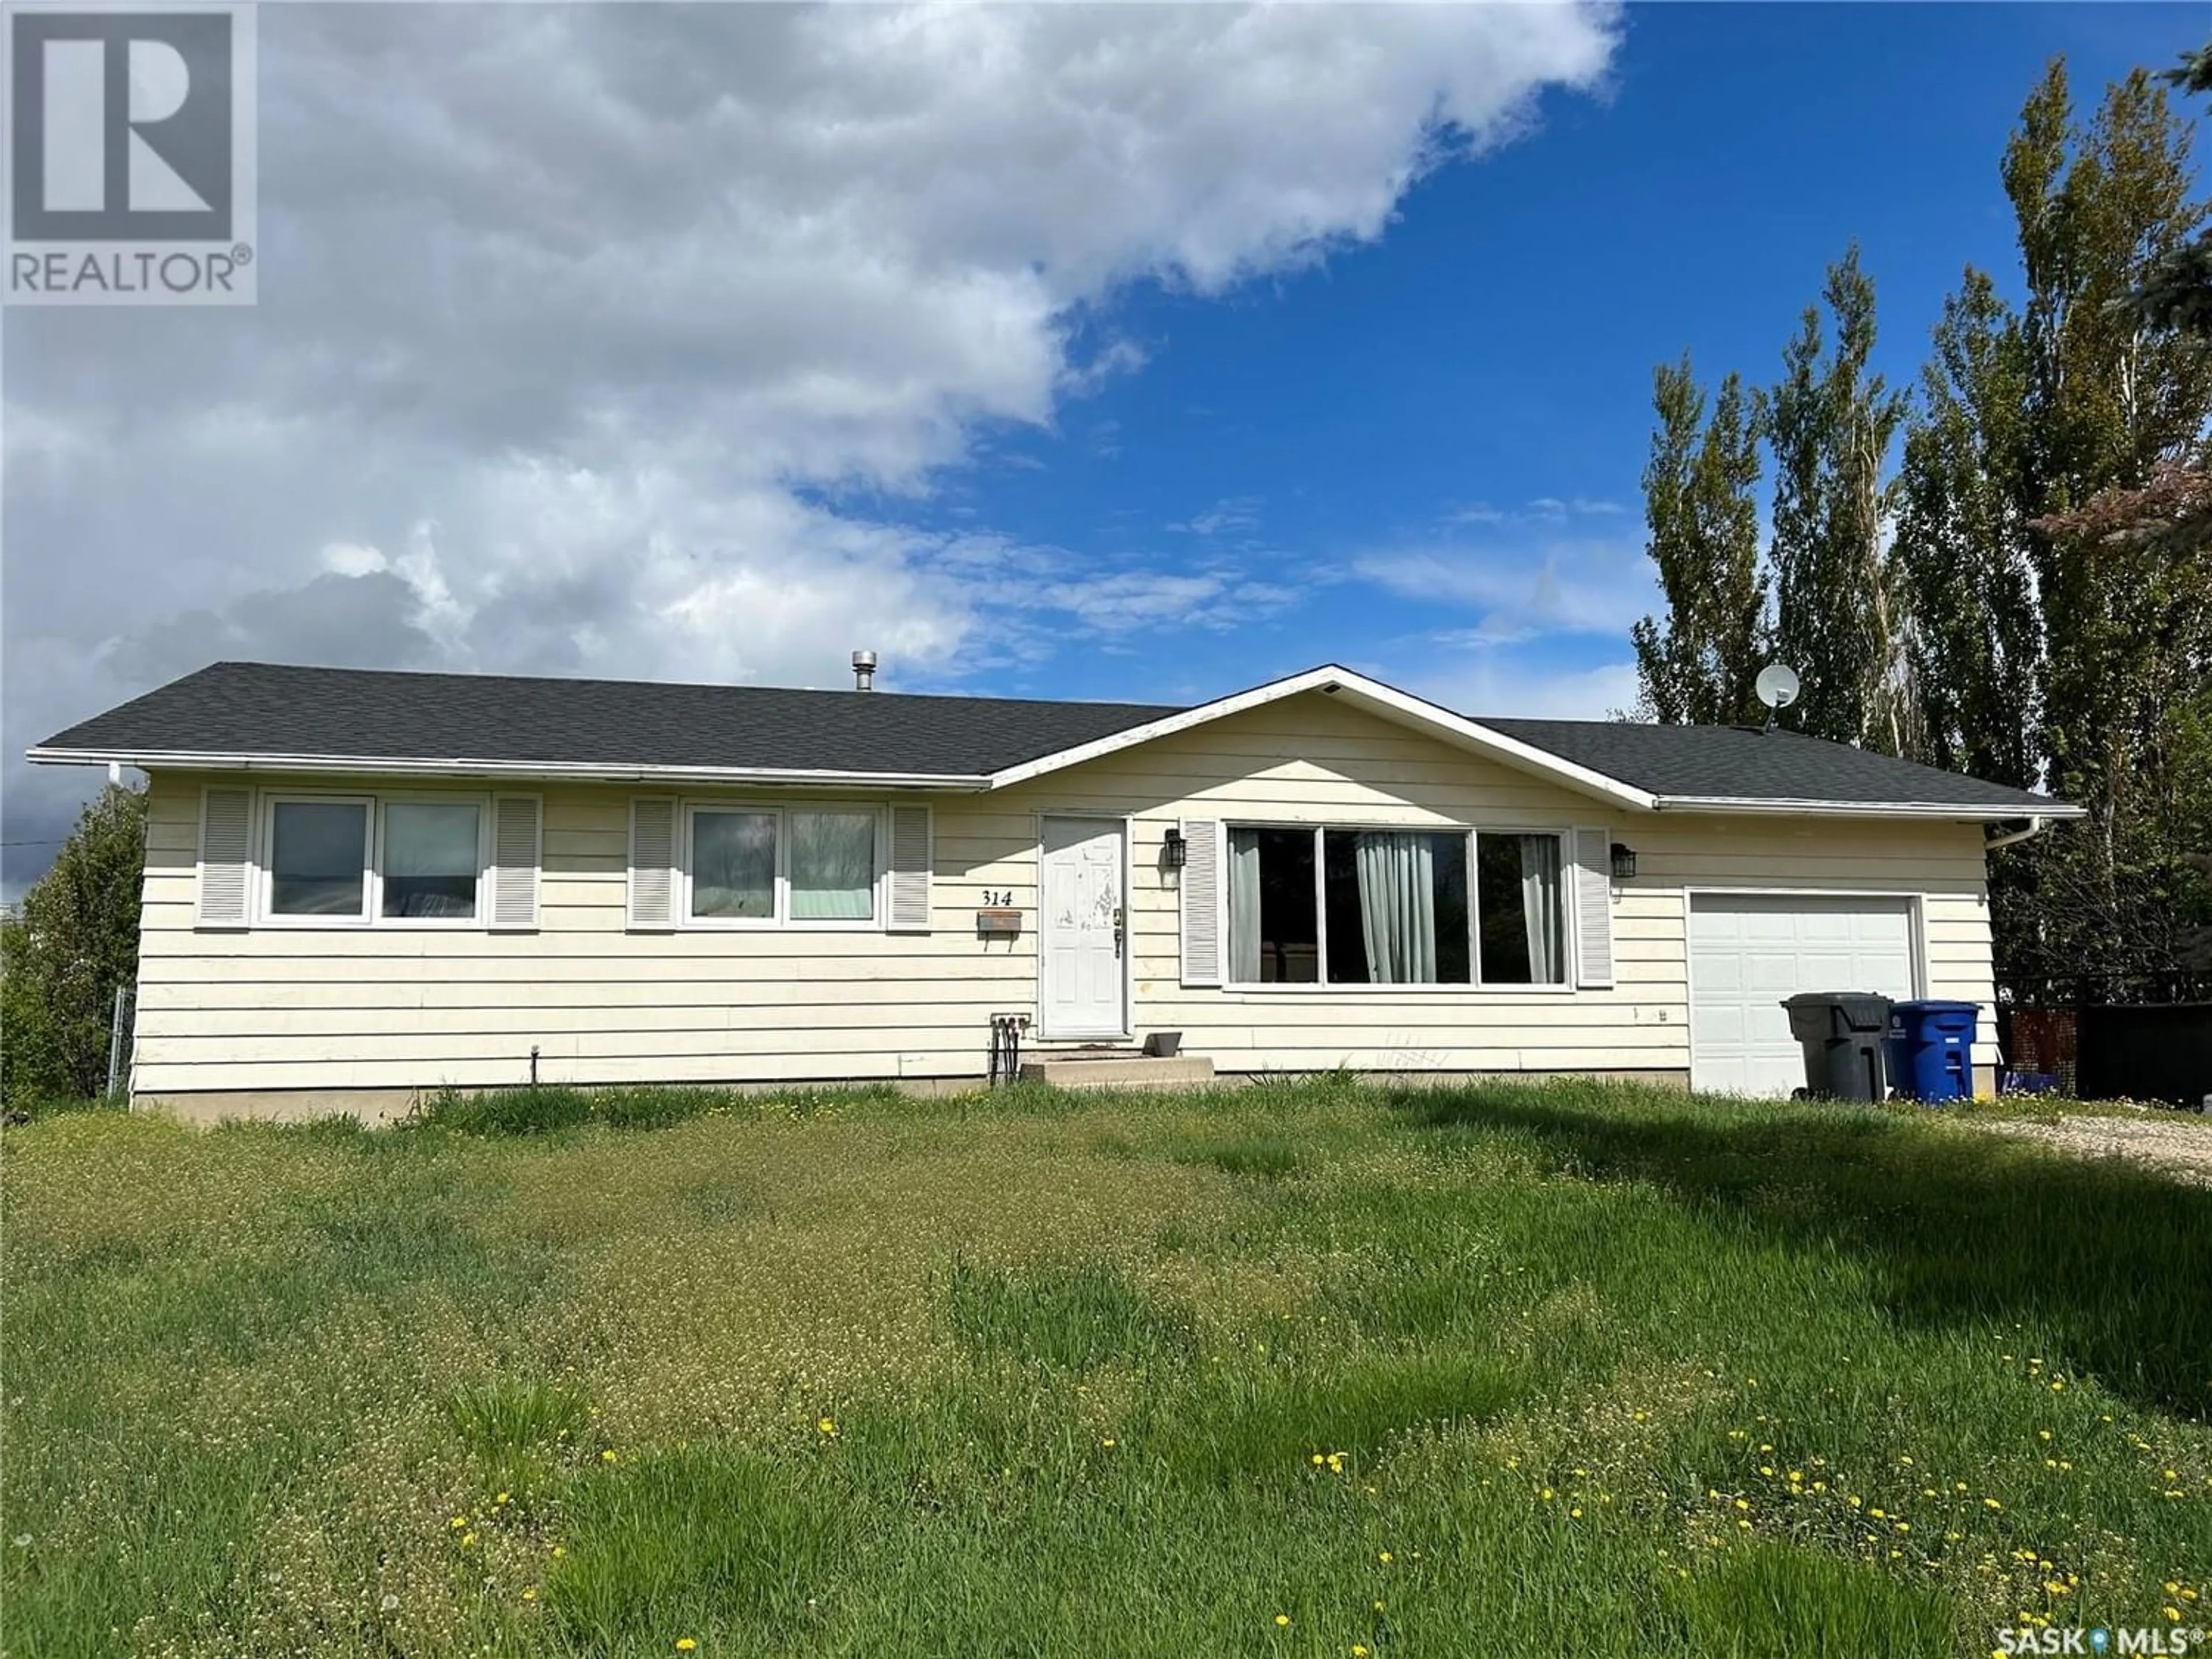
(1421, 457)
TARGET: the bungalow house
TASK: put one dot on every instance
(362, 885)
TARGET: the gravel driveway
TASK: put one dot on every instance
(2179, 1143)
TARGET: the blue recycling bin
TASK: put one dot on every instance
(1930, 1050)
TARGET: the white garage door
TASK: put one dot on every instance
(1747, 953)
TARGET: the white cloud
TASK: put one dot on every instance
(578, 322)
(1522, 594)
(1521, 685)
(1230, 513)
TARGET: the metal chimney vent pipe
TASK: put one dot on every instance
(864, 671)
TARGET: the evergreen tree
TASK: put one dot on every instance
(2112, 402)
(73, 943)
(1831, 421)
(1698, 665)
(2176, 291)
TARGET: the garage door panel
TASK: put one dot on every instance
(1749, 952)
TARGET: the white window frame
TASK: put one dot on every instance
(1467, 832)
(479, 920)
(780, 919)
(264, 883)
(264, 873)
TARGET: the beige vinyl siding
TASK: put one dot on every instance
(361, 1007)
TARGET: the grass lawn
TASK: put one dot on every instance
(1302, 1370)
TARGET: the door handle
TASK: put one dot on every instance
(1121, 928)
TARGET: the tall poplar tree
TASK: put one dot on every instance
(1697, 665)
(1973, 636)
(1831, 421)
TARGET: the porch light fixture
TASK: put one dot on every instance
(1623, 862)
(1177, 850)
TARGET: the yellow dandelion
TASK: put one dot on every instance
(1282, 1620)
(608, 1456)
(1991, 1503)
(1546, 1494)
(501, 1498)
(2170, 1613)
(684, 1645)
(1386, 1557)
(531, 1593)
(826, 1425)
(1577, 1514)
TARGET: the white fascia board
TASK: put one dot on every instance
(578, 771)
(1864, 809)
(1386, 701)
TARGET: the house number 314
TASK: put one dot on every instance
(998, 897)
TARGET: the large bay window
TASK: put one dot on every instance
(769, 866)
(1396, 907)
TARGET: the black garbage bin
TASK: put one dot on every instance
(1841, 1032)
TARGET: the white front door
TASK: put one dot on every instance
(1083, 929)
(1749, 950)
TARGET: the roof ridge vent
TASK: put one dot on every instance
(864, 671)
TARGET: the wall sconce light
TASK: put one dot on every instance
(1177, 850)
(1623, 862)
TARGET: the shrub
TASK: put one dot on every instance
(69, 948)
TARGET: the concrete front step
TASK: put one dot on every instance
(1132, 1071)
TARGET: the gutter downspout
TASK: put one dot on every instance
(2036, 826)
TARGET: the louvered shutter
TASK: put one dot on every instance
(1201, 902)
(515, 836)
(226, 857)
(909, 870)
(652, 861)
(1593, 907)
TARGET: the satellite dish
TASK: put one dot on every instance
(1776, 685)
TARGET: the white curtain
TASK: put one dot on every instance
(1398, 907)
(1244, 907)
(833, 867)
(1541, 910)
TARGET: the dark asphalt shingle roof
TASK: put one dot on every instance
(1742, 763)
(244, 708)
(261, 708)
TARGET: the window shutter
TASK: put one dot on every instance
(1201, 902)
(1594, 907)
(909, 870)
(226, 857)
(652, 861)
(516, 838)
